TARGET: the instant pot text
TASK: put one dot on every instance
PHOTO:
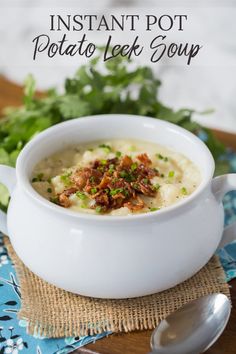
(158, 47)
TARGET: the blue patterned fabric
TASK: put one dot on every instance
(13, 336)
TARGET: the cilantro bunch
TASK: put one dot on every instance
(112, 87)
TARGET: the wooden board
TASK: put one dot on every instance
(136, 342)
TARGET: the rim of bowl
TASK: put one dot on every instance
(28, 188)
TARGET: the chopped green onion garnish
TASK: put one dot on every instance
(103, 162)
(123, 174)
(145, 181)
(106, 148)
(161, 157)
(81, 195)
(134, 166)
(171, 174)
(92, 179)
(156, 186)
(111, 168)
(66, 178)
(98, 209)
(116, 191)
(118, 154)
(184, 191)
(94, 190)
(54, 200)
(40, 176)
(154, 209)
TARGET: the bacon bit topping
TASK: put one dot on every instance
(145, 159)
(64, 197)
(139, 204)
(113, 183)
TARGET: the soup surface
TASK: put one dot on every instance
(117, 177)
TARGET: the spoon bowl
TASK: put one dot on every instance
(193, 328)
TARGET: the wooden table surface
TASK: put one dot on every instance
(136, 342)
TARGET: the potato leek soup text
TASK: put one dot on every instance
(117, 177)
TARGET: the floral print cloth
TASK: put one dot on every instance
(13, 336)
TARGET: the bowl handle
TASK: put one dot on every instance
(8, 178)
(220, 186)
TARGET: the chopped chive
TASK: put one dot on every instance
(171, 174)
(145, 181)
(154, 209)
(160, 157)
(98, 209)
(134, 166)
(81, 195)
(49, 190)
(40, 176)
(92, 179)
(111, 168)
(184, 191)
(54, 200)
(66, 178)
(116, 191)
(94, 190)
(118, 154)
(123, 174)
(106, 148)
(156, 186)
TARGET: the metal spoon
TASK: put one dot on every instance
(193, 328)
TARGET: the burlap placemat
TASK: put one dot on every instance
(53, 312)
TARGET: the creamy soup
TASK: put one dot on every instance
(117, 177)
